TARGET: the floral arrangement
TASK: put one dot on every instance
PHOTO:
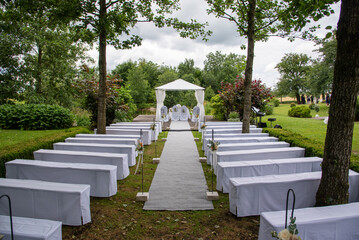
(203, 126)
(163, 116)
(183, 110)
(196, 115)
(153, 127)
(175, 109)
(288, 234)
(214, 145)
(139, 147)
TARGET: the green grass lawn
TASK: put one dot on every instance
(311, 128)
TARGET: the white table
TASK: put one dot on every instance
(338, 222)
(96, 147)
(227, 170)
(258, 154)
(246, 146)
(118, 160)
(252, 195)
(68, 203)
(236, 140)
(101, 178)
(129, 141)
(30, 228)
(146, 134)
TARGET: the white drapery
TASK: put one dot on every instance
(200, 100)
(179, 85)
(160, 97)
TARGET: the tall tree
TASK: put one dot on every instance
(293, 69)
(333, 188)
(259, 19)
(110, 21)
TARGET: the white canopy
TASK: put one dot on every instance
(179, 85)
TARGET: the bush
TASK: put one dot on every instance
(292, 105)
(275, 102)
(25, 150)
(268, 109)
(218, 109)
(35, 117)
(311, 106)
(233, 115)
(300, 111)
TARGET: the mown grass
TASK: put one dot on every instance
(121, 217)
(307, 127)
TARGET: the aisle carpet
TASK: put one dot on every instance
(179, 182)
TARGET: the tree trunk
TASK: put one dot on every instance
(101, 118)
(39, 71)
(334, 184)
(297, 96)
(247, 102)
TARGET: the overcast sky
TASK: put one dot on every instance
(164, 46)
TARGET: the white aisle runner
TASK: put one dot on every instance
(179, 182)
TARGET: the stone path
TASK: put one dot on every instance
(179, 182)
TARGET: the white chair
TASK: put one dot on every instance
(195, 114)
(164, 114)
(175, 113)
(184, 113)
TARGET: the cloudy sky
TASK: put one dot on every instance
(164, 46)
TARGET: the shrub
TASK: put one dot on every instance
(35, 117)
(292, 105)
(268, 109)
(218, 109)
(300, 111)
(275, 102)
(316, 108)
(311, 106)
(233, 115)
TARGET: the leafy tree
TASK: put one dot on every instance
(220, 67)
(122, 70)
(257, 20)
(334, 184)
(138, 86)
(209, 93)
(110, 22)
(293, 69)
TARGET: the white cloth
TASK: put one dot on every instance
(175, 113)
(258, 154)
(158, 123)
(118, 160)
(154, 133)
(184, 113)
(129, 141)
(199, 94)
(82, 135)
(96, 147)
(164, 114)
(160, 97)
(196, 114)
(247, 146)
(252, 195)
(233, 130)
(146, 134)
(101, 178)
(227, 170)
(68, 203)
(31, 228)
(336, 222)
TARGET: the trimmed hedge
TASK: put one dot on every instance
(300, 111)
(26, 149)
(35, 117)
(312, 148)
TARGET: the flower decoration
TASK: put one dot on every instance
(183, 110)
(140, 147)
(214, 145)
(203, 126)
(153, 127)
(288, 234)
(196, 115)
(163, 116)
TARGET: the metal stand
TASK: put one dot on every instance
(212, 195)
(10, 213)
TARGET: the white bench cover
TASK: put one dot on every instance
(101, 178)
(252, 195)
(154, 134)
(129, 141)
(83, 135)
(227, 170)
(231, 131)
(31, 228)
(118, 160)
(96, 147)
(146, 134)
(68, 203)
(336, 222)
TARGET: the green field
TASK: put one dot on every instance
(308, 127)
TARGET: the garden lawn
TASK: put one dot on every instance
(308, 127)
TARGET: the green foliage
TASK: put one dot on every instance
(82, 117)
(300, 111)
(275, 102)
(314, 107)
(208, 93)
(25, 150)
(268, 109)
(218, 109)
(233, 115)
(292, 105)
(35, 117)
